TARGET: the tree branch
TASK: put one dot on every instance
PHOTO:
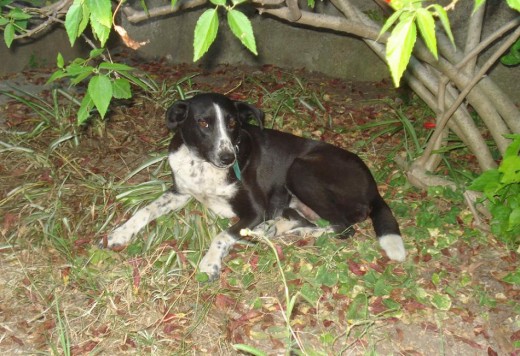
(473, 37)
(334, 23)
(469, 86)
(52, 12)
(135, 16)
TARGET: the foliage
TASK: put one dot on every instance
(501, 188)
(207, 28)
(106, 81)
(12, 21)
(408, 15)
(97, 12)
(513, 57)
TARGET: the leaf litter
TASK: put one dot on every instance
(451, 296)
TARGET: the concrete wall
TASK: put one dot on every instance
(38, 53)
(278, 43)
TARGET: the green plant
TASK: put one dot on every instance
(107, 81)
(501, 188)
(513, 57)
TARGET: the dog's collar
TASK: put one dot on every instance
(236, 167)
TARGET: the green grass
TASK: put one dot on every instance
(308, 296)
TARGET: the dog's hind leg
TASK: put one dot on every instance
(164, 204)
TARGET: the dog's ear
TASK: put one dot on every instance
(176, 114)
(246, 111)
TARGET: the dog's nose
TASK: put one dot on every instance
(226, 158)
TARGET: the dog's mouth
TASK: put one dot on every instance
(223, 166)
(224, 161)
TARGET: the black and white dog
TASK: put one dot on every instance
(241, 170)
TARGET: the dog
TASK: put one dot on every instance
(245, 171)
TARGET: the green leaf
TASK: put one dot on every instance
(390, 21)
(18, 14)
(310, 293)
(512, 58)
(514, 4)
(443, 16)
(96, 52)
(121, 89)
(358, 309)
(426, 25)
(57, 75)
(382, 288)
(399, 47)
(205, 33)
(115, 66)
(85, 19)
(218, 2)
(241, 27)
(100, 31)
(60, 62)
(84, 109)
(326, 277)
(100, 90)
(73, 19)
(3, 21)
(488, 181)
(510, 167)
(9, 35)
(202, 277)
(514, 219)
(514, 147)
(513, 277)
(441, 301)
(101, 11)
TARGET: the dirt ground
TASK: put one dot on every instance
(450, 295)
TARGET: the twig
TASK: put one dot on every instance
(52, 12)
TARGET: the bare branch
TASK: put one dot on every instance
(473, 36)
(138, 16)
(446, 116)
(329, 22)
(52, 12)
(294, 10)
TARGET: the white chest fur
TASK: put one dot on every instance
(205, 182)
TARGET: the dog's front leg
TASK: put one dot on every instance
(164, 204)
(211, 263)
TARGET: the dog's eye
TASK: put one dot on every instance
(232, 123)
(203, 123)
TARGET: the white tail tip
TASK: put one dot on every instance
(393, 246)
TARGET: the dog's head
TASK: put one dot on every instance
(210, 124)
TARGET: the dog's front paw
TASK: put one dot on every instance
(117, 238)
(211, 266)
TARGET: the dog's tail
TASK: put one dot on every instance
(387, 230)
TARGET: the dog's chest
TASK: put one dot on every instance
(203, 181)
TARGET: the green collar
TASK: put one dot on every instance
(236, 169)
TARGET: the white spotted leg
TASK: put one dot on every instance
(167, 202)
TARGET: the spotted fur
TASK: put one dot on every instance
(282, 177)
